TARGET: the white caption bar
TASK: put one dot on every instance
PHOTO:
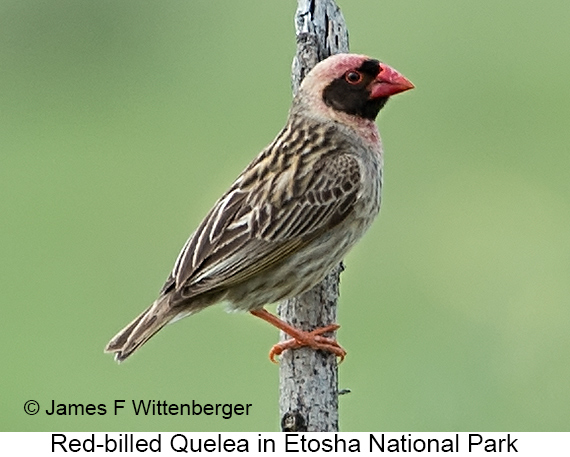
(376, 443)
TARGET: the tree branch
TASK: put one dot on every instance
(308, 378)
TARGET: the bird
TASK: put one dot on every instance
(292, 214)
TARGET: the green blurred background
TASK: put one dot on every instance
(122, 122)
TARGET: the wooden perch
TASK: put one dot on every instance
(308, 378)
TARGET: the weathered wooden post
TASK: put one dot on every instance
(309, 378)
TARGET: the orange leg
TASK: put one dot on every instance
(301, 338)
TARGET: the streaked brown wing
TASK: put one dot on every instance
(260, 222)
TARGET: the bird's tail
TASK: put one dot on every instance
(139, 331)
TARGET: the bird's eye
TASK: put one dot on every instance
(353, 77)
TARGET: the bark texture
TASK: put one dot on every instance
(308, 378)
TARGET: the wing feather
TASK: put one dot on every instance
(259, 222)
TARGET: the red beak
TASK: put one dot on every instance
(389, 82)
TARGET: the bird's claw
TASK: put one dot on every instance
(313, 340)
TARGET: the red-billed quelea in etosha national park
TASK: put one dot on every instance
(292, 214)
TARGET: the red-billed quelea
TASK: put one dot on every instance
(294, 212)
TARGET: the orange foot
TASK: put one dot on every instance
(301, 338)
